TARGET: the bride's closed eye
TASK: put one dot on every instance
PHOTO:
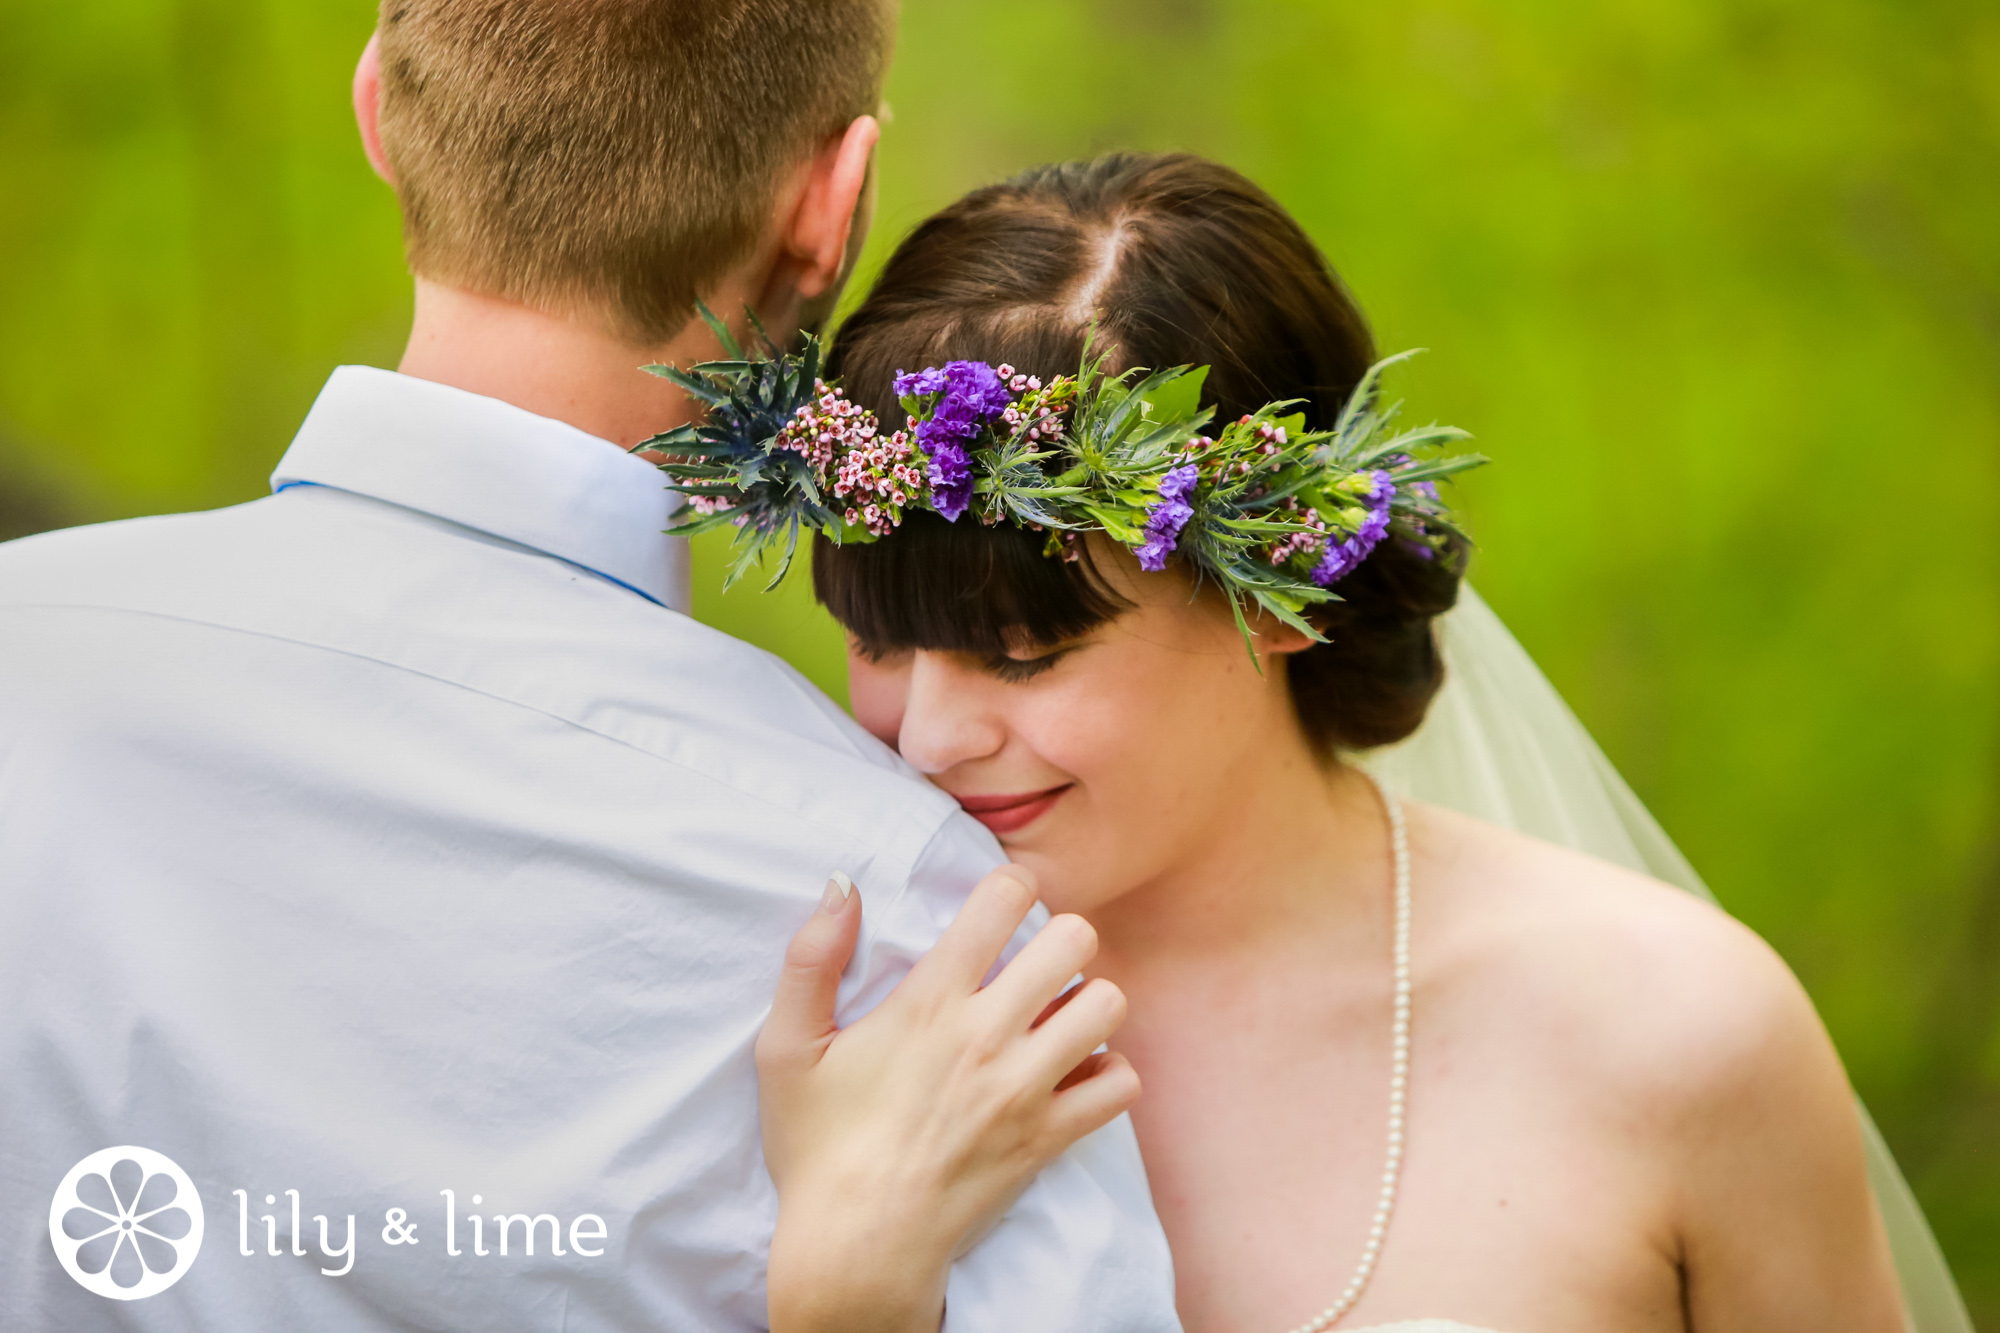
(1012, 668)
(1020, 670)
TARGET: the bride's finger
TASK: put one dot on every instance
(1093, 1064)
(1038, 975)
(1097, 1092)
(801, 1020)
(971, 944)
(1056, 1004)
(1069, 1035)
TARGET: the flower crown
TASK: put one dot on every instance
(1274, 514)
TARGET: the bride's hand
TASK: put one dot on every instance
(898, 1141)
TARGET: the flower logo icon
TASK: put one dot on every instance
(126, 1223)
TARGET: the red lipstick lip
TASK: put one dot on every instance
(1006, 814)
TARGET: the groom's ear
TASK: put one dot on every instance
(368, 107)
(817, 240)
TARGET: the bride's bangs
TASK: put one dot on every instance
(959, 587)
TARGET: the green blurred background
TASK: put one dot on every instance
(1718, 284)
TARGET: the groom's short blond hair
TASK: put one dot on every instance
(610, 157)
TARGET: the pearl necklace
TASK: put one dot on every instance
(1399, 1077)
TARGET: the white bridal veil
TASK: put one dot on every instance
(1500, 744)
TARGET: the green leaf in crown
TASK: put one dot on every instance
(1274, 514)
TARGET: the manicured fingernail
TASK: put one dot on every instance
(836, 893)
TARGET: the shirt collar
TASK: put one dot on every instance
(491, 466)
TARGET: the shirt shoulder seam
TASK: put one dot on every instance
(921, 832)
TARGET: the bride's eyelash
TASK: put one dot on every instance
(1020, 670)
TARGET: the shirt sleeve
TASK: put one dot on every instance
(1081, 1251)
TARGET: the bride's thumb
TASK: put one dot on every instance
(801, 1021)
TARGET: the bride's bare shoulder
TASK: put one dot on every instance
(1612, 970)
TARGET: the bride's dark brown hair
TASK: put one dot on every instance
(1178, 261)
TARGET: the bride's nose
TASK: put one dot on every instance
(948, 718)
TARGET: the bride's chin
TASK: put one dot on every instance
(1028, 852)
(1058, 878)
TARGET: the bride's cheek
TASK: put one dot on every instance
(1066, 730)
(876, 697)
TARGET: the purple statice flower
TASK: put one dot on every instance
(950, 476)
(1179, 483)
(926, 381)
(971, 396)
(1165, 520)
(1422, 549)
(1341, 557)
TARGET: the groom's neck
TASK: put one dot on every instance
(566, 368)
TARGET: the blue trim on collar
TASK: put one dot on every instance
(493, 467)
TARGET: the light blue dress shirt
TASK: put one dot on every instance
(396, 841)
